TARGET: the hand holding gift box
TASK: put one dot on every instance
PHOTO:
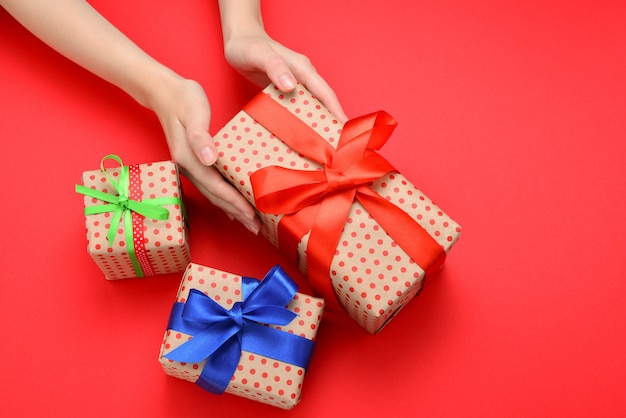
(134, 218)
(235, 334)
(358, 228)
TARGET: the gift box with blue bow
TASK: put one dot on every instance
(238, 335)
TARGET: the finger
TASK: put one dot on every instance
(314, 82)
(305, 73)
(198, 137)
(285, 68)
(275, 67)
(220, 193)
(202, 145)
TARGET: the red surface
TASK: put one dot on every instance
(511, 117)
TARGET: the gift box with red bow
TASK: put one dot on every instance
(135, 219)
(238, 335)
(361, 232)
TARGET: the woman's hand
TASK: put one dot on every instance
(260, 59)
(78, 31)
(184, 112)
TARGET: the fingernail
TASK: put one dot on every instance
(207, 155)
(252, 227)
(287, 82)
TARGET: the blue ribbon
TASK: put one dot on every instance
(219, 335)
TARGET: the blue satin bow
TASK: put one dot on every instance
(219, 334)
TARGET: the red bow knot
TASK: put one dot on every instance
(337, 181)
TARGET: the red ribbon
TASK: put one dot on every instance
(134, 192)
(319, 201)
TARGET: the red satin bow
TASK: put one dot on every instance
(319, 201)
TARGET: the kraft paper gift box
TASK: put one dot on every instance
(364, 235)
(238, 335)
(135, 219)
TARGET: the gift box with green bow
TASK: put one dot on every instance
(135, 218)
(363, 234)
(238, 335)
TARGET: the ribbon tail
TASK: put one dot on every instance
(221, 366)
(115, 222)
(130, 244)
(403, 229)
(149, 210)
(164, 200)
(323, 242)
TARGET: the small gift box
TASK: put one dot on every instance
(239, 335)
(135, 219)
(361, 232)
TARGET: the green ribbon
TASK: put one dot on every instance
(122, 205)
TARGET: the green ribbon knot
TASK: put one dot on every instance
(122, 205)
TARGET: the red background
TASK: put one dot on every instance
(511, 117)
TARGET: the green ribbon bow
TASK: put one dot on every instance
(122, 205)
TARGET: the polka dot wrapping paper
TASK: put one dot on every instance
(257, 377)
(159, 246)
(371, 275)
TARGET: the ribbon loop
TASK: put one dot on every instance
(219, 334)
